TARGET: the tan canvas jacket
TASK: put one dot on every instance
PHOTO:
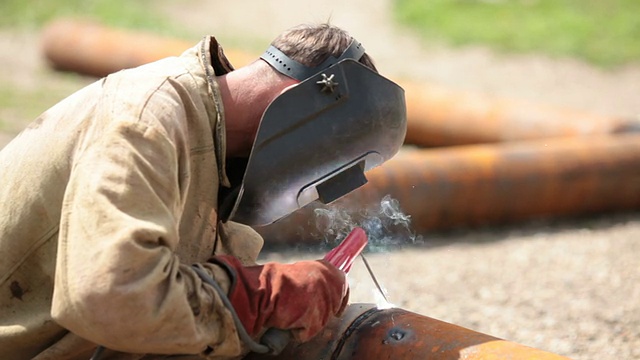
(106, 201)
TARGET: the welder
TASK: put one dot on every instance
(127, 209)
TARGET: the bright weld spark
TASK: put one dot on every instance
(381, 302)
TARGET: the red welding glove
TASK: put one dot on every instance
(301, 297)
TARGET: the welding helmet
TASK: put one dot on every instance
(316, 140)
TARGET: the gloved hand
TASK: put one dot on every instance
(301, 297)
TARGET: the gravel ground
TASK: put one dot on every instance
(569, 287)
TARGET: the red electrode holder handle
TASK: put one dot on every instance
(342, 257)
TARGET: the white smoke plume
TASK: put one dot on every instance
(385, 224)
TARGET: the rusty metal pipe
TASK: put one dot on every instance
(489, 184)
(466, 186)
(366, 332)
(92, 49)
(444, 117)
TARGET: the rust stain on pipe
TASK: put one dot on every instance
(444, 188)
(365, 332)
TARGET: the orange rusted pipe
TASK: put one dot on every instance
(443, 117)
(92, 49)
(436, 116)
(466, 186)
(365, 332)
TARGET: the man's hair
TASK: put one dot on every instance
(310, 45)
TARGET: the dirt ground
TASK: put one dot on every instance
(569, 287)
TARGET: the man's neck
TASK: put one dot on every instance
(246, 93)
(243, 108)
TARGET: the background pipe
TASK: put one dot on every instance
(366, 332)
(465, 186)
(92, 49)
(436, 116)
(444, 117)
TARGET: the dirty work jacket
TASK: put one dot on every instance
(106, 201)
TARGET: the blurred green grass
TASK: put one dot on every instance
(139, 14)
(603, 32)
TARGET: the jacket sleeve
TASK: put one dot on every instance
(118, 281)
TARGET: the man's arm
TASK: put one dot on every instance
(118, 281)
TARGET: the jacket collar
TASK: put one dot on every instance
(215, 63)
